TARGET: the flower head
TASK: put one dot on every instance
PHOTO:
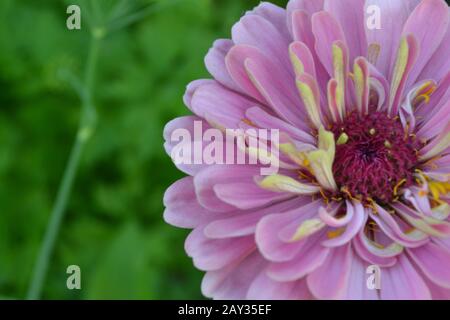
(363, 113)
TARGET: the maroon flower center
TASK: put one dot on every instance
(374, 157)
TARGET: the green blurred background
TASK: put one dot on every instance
(113, 228)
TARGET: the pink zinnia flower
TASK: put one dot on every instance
(365, 154)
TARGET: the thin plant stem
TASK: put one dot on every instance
(86, 127)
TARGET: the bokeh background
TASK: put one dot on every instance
(113, 228)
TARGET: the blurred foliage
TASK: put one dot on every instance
(113, 227)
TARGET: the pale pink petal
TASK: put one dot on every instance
(393, 230)
(330, 280)
(247, 195)
(253, 30)
(174, 145)
(214, 254)
(439, 64)
(357, 284)
(244, 222)
(350, 15)
(393, 15)
(267, 83)
(264, 288)
(212, 175)
(232, 282)
(436, 124)
(307, 6)
(270, 243)
(428, 23)
(309, 258)
(302, 31)
(369, 253)
(352, 228)
(425, 111)
(326, 31)
(190, 89)
(265, 120)
(275, 15)
(182, 208)
(402, 282)
(434, 262)
(220, 106)
(215, 63)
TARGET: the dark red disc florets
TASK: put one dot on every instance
(377, 158)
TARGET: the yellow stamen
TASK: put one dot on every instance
(347, 192)
(325, 198)
(438, 188)
(249, 122)
(373, 53)
(335, 233)
(398, 185)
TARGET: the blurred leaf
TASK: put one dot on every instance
(121, 272)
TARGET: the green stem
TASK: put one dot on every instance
(87, 124)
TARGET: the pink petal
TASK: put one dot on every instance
(212, 175)
(264, 288)
(307, 6)
(428, 23)
(192, 87)
(247, 195)
(393, 230)
(398, 88)
(253, 30)
(182, 207)
(402, 282)
(275, 15)
(437, 292)
(301, 51)
(393, 16)
(330, 280)
(268, 239)
(278, 91)
(215, 63)
(436, 124)
(266, 82)
(302, 31)
(352, 229)
(439, 64)
(220, 105)
(350, 15)
(214, 254)
(363, 251)
(184, 123)
(264, 120)
(244, 222)
(425, 111)
(357, 285)
(326, 31)
(434, 261)
(233, 281)
(310, 257)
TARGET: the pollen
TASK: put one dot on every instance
(335, 233)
